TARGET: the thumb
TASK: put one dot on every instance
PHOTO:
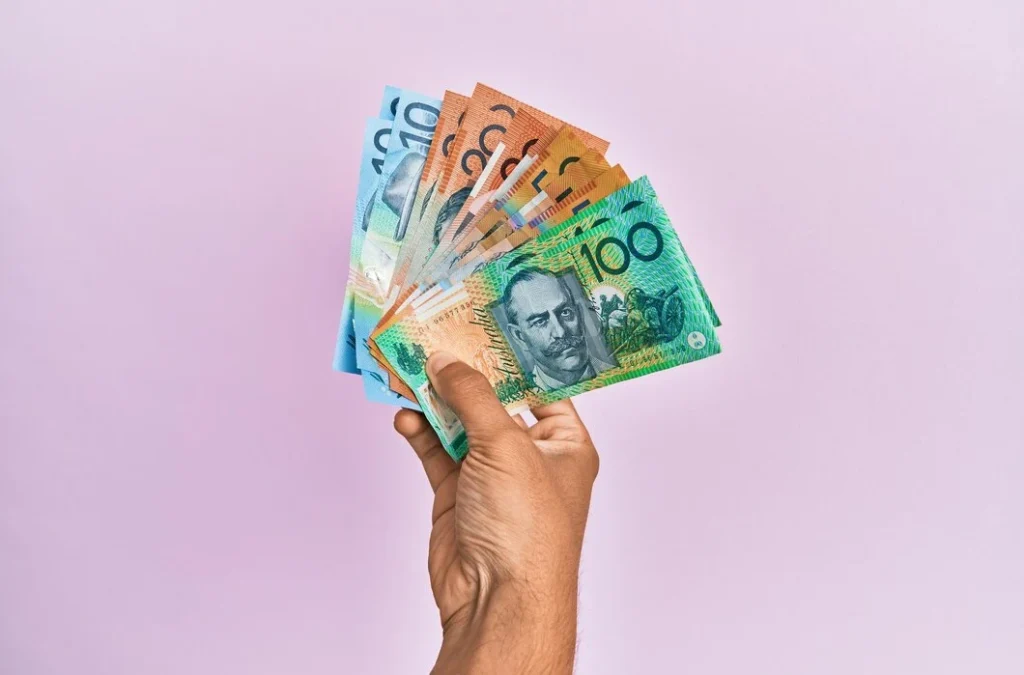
(470, 395)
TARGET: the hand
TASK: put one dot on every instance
(508, 527)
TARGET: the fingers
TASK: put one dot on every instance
(559, 431)
(414, 428)
(558, 421)
(470, 395)
(563, 408)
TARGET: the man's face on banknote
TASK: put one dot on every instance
(545, 319)
(450, 209)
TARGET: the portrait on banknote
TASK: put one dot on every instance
(555, 334)
(450, 209)
(401, 189)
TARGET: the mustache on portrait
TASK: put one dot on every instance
(559, 345)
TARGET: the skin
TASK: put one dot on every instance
(508, 527)
(545, 316)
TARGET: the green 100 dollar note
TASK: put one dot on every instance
(617, 301)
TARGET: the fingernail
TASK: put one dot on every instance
(437, 361)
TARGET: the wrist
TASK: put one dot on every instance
(514, 627)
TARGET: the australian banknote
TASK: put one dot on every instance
(376, 136)
(571, 313)
(391, 208)
(489, 228)
(610, 190)
(387, 218)
(453, 108)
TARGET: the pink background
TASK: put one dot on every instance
(186, 486)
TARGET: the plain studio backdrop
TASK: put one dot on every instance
(187, 487)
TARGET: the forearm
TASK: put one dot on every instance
(513, 629)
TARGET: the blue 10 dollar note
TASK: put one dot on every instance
(376, 138)
(387, 221)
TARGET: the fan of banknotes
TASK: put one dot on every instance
(494, 231)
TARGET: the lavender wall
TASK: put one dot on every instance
(186, 487)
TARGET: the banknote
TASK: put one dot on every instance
(453, 107)
(488, 228)
(389, 212)
(617, 301)
(375, 140)
(387, 217)
(609, 194)
(525, 241)
(375, 144)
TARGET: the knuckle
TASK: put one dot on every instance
(504, 447)
(430, 451)
(509, 438)
(495, 437)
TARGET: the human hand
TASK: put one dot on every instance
(508, 527)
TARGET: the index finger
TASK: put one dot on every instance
(563, 408)
(436, 462)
